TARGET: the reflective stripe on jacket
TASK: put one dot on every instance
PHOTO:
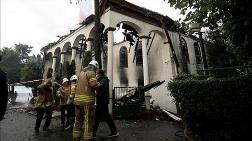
(85, 88)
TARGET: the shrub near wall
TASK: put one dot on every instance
(216, 109)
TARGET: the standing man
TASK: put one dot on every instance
(4, 92)
(102, 101)
(84, 103)
(43, 104)
(63, 93)
(70, 103)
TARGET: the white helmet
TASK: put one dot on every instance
(64, 80)
(74, 77)
(94, 63)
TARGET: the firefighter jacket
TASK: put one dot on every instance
(63, 93)
(85, 88)
(70, 99)
(44, 96)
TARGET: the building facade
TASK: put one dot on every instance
(147, 53)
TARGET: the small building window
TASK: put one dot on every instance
(184, 50)
(123, 57)
(139, 54)
(197, 53)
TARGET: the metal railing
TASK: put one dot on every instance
(127, 102)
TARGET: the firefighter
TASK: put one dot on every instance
(4, 92)
(84, 103)
(102, 101)
(70, 103)
(43, 104)
(63, 93)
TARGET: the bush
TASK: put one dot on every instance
(49, 73)
(87, 58)
(215, 109)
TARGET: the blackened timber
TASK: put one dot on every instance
(151, 43)
(171, 46)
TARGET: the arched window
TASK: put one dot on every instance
(139, 55)
(197, 53)
(184, 50)
(123, 57)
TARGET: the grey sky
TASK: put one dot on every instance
(38, 22)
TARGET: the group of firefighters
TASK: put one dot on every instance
(78, 99)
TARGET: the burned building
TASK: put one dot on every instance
(151, 49)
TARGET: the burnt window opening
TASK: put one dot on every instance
(197, 53)
(123, 57)
(139, 54)
(126, 33)
(123, 77)
(184, 50)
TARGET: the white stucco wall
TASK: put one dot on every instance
(161, 68)
(132, 72)
(160, 65)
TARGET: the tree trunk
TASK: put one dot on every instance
(97, 38)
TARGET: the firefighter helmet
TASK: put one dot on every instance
(64, 80)
(74, 77)
(94, 63)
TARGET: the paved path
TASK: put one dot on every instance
(19, 126)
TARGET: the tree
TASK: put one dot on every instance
(230, 19)
(72, 68)
(49, 73)
(32, 69)
(11, 64)
(23, 51)
(87, 58)
(69, 69)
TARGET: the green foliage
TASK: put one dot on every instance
(23, 50)
(65, 69)
(186, 76)
(229, 19)
(58, 77)
(72, 68)
(32, 69)
(215, 109)
(87, 58)
(68, 69)
(49, 73)
(227, 72)
(11, 64)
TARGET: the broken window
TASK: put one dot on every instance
(184, 50)
(139, 54)
(123, 57)
(197, 53)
